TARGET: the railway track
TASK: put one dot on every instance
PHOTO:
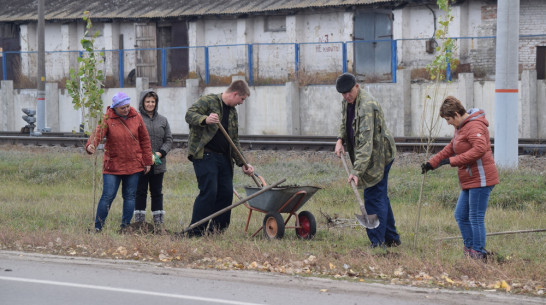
(259, 142)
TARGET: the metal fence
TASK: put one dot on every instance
(261, 63)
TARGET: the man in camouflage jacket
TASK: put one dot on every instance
(372, 150)
(212, 156)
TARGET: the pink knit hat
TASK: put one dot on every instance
(120, 99)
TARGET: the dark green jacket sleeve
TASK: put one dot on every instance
(201, 133)
(374, 144)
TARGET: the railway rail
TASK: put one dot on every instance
(260, 142)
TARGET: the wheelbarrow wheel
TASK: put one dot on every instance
(308, 225)
(273, 226)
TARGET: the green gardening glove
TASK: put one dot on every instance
(157, 161)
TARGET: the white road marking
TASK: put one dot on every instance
(167, 295)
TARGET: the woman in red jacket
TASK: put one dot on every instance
(127, 153)
(470, 151)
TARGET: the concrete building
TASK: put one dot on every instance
(194, 47)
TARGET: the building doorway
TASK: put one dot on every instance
(373, 55)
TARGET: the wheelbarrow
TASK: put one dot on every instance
(282, 199)
(275, 200)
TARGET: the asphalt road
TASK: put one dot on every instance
(28, 278)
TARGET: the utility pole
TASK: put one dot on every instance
(506, 84)
(41, 79)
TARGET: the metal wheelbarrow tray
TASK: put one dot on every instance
(283, 199)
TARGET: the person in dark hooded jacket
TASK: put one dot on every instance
(469, 151)
(161, 139)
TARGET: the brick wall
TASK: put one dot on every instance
(532, 22)
(482, 57)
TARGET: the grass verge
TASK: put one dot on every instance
(47, 205)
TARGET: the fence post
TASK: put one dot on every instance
(250, 74)
(344, 56)
(163, 67)
(207, 72)
(448, 68)
(394, 59)
(121, 68)
(297, 59)
(4, 67)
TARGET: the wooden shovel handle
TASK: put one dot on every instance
(222, 211)
(237, 151)
(355, 189)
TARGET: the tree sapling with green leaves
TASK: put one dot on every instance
(437, 69)
(86, 88)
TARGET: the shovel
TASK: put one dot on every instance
(241, 201)
(222, 211)
(237, 151)
(368, 221)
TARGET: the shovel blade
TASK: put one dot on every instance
(368, 221)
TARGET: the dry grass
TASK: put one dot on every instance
(47, 207)
(304, 78)
(420, 74)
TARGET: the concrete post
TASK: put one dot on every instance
(41, 76)
(294, 33)
(196, 37)
(242, 109)
(69, 41)
(142, 83)
(348, 21)
(529, 107)
(506, 84)
(466, 89)
(52, 110)
(192, 92)
(541, 109)
(7, 104)
(293, 119)
(3, 109)
(245, 28)
(403, 81)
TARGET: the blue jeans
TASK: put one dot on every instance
(470, 214)
(376, 201)
(110, 186)
(215, 181)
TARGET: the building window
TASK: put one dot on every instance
(275, 24)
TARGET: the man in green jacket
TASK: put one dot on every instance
(372, 150)
(212, 156)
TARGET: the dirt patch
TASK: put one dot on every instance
(144, 228)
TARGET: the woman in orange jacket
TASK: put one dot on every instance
(469, 151)
(127, 154)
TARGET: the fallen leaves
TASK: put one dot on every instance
(399, 272)
(164, 257)
(505, 286)
(447, 279)
(310, 265)
(120, 251)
